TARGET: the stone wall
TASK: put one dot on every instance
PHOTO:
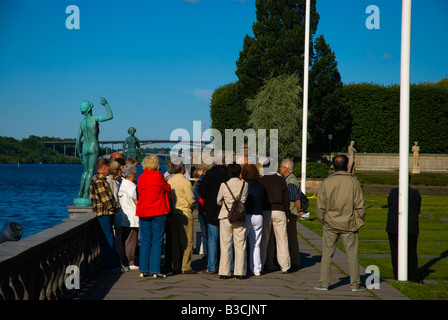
(391, 161)
(35, 268)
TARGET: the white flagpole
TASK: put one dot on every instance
(404, 141)
(305, 96)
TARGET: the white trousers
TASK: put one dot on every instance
(254, 228)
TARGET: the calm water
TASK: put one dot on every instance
(37, 195)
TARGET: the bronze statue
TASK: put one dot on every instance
(89, 130)
(133, 145)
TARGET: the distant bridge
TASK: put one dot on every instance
(143, 143)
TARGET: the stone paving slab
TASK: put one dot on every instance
(273, 286)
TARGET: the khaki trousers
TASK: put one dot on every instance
(349, 239)
(237, 231)
(276, 220)
(181, 226)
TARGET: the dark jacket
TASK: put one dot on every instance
(208, 190)
(276, 193)
(254, 201)
(414, 200)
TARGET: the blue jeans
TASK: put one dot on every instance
(213, 248)
(203, 225)
(213, 243)
(109, 256)
(151, 238)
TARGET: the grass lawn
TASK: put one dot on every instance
(432, 245)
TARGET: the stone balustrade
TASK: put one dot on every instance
(35, 268)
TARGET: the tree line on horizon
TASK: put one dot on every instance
(268, 93)
(31, 150)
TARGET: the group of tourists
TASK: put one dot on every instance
(160, 209)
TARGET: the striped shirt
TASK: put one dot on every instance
(103, 201)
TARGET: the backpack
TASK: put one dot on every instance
(303, 202)
(237, 212)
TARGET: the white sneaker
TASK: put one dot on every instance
(320, 288)
(133, 267)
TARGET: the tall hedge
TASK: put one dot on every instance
(375, 111)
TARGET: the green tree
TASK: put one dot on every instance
(326, 114)
(277, 46)
(443, 83)
(32, 150)
(277, 106)
(227, 108)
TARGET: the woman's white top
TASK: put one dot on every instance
(126, 192)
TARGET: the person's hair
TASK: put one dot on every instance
(128, 170)
(131, 161)
(115, 167)
(234, 170)
(176, 168)
(250, 172)
(120, 161)
(289, 164)
(115, 156)
(101, 163)
(150, 162)
(173, 168)
(340, 162)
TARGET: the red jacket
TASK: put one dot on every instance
(153, 192)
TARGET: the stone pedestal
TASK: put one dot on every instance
(76, 211)
(82, 202)
(416, 170)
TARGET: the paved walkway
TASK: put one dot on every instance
(297, 285)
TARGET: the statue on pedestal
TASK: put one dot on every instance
(415, 163)
(89, 130)
(351, 157)
(133, 145)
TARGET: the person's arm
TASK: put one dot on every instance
(219, 198)
(189, 196)
(106, 196)
(202, 189)
(294, 196)
(109, 115)
(286, 199)
(321, 204)
(359, 206)
(78, 143)
(134, 196)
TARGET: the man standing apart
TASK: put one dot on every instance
(341, 209)
(286, 169)
(104, 206)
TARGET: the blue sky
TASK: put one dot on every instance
(158, 61)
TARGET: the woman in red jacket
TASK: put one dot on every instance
(152, 209)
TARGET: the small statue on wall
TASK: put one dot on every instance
(415, 155)
(351, 157)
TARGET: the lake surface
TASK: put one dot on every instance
(37, 195)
